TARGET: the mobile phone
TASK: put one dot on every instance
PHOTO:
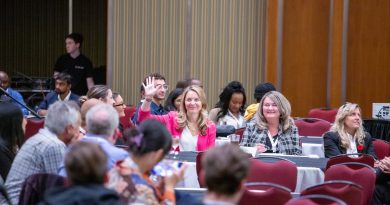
(166, 167)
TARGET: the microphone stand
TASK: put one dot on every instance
(25, 106)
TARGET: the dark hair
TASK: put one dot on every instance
(261, 89)
(64, 77)
(86, 163)
(170, 102)
(226, 95)
(151, 135)
(182, 84)
(224, 168)
(76, 37)
(157, 76)
(187, 82)
(11, 131)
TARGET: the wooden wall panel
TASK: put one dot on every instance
(305, 51)
(368, 65)
(271, 42)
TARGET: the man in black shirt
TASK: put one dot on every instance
(75, 64)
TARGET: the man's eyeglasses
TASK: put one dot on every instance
(163, 86)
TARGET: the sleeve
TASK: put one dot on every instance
(52, 158)
(143, 115)
(370, 146)
(88, 68)
(45, 103)
(331, 142)
(19, 98)
(247, 135)
(212, 134)
(297, 147)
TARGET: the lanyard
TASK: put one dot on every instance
(273, 143)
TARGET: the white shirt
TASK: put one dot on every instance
(187, 141)
(352, 145)
(66, 98)
(230, 119)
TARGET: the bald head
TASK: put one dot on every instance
(87, 105)
(4, 80)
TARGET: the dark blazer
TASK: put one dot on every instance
(52, 97)
(332, 145)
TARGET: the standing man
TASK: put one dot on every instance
(156, 107)
(44, 152)
(4, 83)
(75, 64)
(62, 92)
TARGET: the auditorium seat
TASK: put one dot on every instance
(32, 127)
(312, 126)
(323, 113)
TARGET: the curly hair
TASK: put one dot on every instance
(226, 96)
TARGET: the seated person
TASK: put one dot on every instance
(347, 135)
(260, 90)
(148, 144)
(174, 100)
(4, 83)
(191, 125)
(100, 92)
(273, 130)
(382, 188)
(225, 170)
(231, 106)
(62, 92)
(85, 164)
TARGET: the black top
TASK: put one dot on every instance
(79, 68)
(268, 144)
(6, 159)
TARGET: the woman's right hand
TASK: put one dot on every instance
(172, 180)
(149, 88)
(261, 148)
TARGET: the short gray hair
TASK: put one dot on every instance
(102, 119)
(60, 115)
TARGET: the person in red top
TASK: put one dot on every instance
(191, 125)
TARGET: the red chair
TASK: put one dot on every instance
(316, 199)
(312, 126)
(347, 191)
(240, 132)
(358, 173)
(323, 113)
(282, 172)
(382, 148)
(33, 126)
(265, 193)
(126, 120)
(363, 158)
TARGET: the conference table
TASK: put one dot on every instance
(309, 169)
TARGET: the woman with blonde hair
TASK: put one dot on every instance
(274, 130)
(192, 128)
(346, 136)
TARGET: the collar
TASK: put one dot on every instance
(96, 138)
(66, 98)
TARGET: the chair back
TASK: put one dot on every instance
(240, 132)
(265, 193)
(199, 170)
(312, 126)
(364, 176)
(126, 120)
(323, 113)
(342, 158)
(347, 191)
(382, 148)
(32, 127)
(34, 187)
(316, 199)
(282, 172)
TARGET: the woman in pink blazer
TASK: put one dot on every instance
(191, 125)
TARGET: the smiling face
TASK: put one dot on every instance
(192, 102)
(120, 106)
(270, 109)
(352, 121)
(162, 89)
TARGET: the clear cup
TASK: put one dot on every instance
(175, 145)
(235, 139)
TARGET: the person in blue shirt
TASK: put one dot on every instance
(62, 92)
(156, 107)
(4, 83)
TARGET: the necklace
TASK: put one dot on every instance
(193, 130)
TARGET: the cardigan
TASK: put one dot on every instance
(169, 120)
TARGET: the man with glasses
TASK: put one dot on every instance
(156, 107)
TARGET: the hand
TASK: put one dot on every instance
(149, 88)
(385, 165)
(171, 181)
(261, 148)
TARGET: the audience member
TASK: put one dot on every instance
(44, 152)
(156, 107)
(85, 107)
(174, 100)
(382, 188)
(260, 90)
(86, 165)
(4, 83)
(63, 84)
(75, 64)
(12, 128)
(225, 170)
(190, 124)
(274, 129)
(187, 82)
(119, 106)
(148, 144)
(100, 92)
(230, 108)
(102, 122)
(347, 135)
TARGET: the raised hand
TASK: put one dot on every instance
(149, 88)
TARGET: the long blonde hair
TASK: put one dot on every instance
(202, 118)
(284, 107)
(339, 126)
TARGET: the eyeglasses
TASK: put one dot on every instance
(118, 105)
(164, 86)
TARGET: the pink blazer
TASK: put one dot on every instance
(169, 120)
